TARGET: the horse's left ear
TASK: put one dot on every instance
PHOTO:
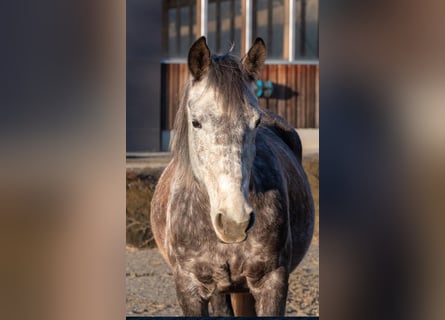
(253, 62)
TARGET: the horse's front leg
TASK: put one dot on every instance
(190, 297)
(221, 305)
(270, 292)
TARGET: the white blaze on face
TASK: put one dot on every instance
(233, 201)
(222, 164)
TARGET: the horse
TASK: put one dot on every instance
(232, 213)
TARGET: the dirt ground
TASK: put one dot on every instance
(150, 287)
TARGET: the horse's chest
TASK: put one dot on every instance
(195, 251)
(217, 275)
(220, 275)
(225, 269)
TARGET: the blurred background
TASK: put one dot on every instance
(63, 148)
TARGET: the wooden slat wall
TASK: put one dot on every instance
(301, 109)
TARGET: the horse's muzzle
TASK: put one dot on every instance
(230, 231)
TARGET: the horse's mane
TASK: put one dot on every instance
(226, 77)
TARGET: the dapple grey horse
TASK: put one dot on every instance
(232, 213)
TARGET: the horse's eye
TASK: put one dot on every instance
(196, 124)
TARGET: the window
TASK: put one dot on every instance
(289, 27)
(306, 29)
(268, 23)
(224, 25)
(179, 27)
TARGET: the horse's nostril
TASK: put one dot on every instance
(251, 221)
(218, 221)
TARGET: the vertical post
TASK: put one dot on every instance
(201, 17)
(288, 33)
(291, 38)
(247, 25)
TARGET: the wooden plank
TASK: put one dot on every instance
(176, 75)
(281, 80)
(291, 102)
(267, 77)
(309, 111)
(306, 95)
(317, 97)
(273, 77)
(312, 86)
(300, 98)
(163, 97)
(264, 76)
(297, 97)
(171, 88)
(167, 97)
(312, 94)
(303, 98)
(307, 100)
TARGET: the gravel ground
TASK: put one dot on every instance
(150, 287)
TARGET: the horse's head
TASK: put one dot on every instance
(222, 114)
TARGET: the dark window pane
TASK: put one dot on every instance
(224, 25)
(306, 29)
(172, 50)
(212, 17)
(181, 27)
(184, 30)
(268, 24)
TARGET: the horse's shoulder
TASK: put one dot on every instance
(163, 186)
(159, 204)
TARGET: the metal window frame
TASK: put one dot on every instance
(248, 26)
(246, 30)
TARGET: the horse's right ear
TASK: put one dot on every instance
(199, 58)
